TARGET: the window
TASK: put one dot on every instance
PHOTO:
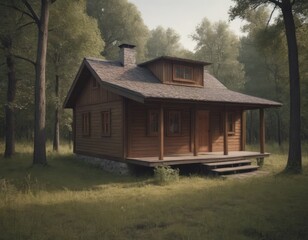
(153, 118)
(86, 119)
(174, 123)
(106, 127)
(231, 123)
(182, 73)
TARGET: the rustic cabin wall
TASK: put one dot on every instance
(141, 144)
(95, 100)
(234, 139)
(163, 70)
(157, 69)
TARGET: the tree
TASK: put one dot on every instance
(11, 33)
(163, 42)
(73, 36)
(218, 45)
(294, 163)
(41, 21)
(119, 22)
(262, 53)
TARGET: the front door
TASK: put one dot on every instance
(203, 130)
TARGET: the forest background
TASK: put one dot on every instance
(255, 63)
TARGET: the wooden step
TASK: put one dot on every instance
(235, 169)
(226, 163)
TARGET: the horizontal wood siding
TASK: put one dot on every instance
(141, 144)
(94, 101)
(91, 95)
(234, 140)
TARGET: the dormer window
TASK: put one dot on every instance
(182, 73)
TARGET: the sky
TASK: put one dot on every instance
(184, 15)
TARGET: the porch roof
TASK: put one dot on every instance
(139, 84)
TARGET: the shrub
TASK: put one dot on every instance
(165, 174)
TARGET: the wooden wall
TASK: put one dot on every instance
(96, 100)
(216, 128)
(163, 70)
(142, 145)
(139, 143)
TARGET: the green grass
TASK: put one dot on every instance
(72, 200)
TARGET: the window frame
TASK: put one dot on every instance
(170, 133)
(86, 124)
(179, 79)
(106, 121)
(231, 123)
(150, 131)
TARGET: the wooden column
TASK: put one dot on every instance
(225, 123)
(161, 133)
(262, 131)
(243, 131)
(196, 132)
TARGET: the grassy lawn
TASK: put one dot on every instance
(71, 200)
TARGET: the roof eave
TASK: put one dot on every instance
(174, 59)
(67, 102)
(238, 104)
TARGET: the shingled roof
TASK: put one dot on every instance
(139, 84)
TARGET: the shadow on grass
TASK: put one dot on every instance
(62, 172)
(256, 209)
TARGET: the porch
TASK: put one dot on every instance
(202, 157)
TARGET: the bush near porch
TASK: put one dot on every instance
(72, 200)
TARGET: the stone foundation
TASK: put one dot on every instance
(107, 165)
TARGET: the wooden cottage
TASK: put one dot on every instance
(164, 111)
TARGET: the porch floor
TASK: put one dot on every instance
(204, 157)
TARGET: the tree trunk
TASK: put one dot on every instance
(278, 128)
(56, 134)
(9, 108)
(294, 159)
(39, 155)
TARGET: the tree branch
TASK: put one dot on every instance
(18, 9)
(33, 14)
(270, 17)
(24, 25)
(25, 59)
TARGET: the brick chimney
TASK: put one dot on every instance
(127, 55)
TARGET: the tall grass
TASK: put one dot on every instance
(72, 200)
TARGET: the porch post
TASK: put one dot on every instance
(196, 132)
(225, 124)
(161, 132)
(243, 131)
(262, 130)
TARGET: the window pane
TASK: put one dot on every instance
(153, 121)
(174, 123)
(183, 72)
